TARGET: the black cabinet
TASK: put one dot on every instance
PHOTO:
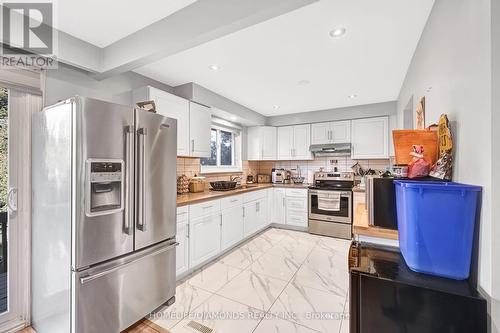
(386, 296)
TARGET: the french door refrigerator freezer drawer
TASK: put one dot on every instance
(113, 296)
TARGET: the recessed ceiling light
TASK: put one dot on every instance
(214, 67)
(303, 82)
(352, 96)
(338, 32)
(276, 107)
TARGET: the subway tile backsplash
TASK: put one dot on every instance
(191, 167)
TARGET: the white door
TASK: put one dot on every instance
(176, 107)
(268, 143)
(340, 131)
(250, 218)
(199, 129)
(320, 133)
(285, 142)
(278, 210)
(370, 138)
(302, 141)
(16, 109)
(182, 250)
(204, 238)
(232, 227)
(261, 209)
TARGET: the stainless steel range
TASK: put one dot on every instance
(330, 204)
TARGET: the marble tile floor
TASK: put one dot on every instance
(278, 281)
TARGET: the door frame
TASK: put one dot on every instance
(20, 107)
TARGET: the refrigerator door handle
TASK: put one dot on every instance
(88, 278)
(141, 218)
(129, 204)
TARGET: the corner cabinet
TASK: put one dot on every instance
(193, 120)
(261, 143)
(294, 142)
(331, 132)
(370, 138)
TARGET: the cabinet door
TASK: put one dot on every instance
(232, 227)
(254, 149)
(320, 133)
(285, 142)
(182, 251)
(340, 131)
(301, 142)
(370, 138)
(268, 143)
(204, 238)
(250, 218)
(200, 125)
(261, 208)
(278, 209)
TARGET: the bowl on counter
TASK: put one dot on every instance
(298, 180)
(223, 185)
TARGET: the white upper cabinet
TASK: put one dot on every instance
(294, 142)
(199, 129)
(370, 138)
(193, 120)
(285, 142)
(331, 132)
(172, 106)
(261, 143)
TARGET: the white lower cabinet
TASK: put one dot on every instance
(232, 227)
(182, 251)
(278, 207)
(255, 216)
(204, 238)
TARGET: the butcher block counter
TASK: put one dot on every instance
(361, 226)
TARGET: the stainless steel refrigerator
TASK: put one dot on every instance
(104, 210)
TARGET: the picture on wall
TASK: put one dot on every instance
(420, 115)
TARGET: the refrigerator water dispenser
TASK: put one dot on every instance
(105, 187)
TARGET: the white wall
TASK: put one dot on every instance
(67, 81)
(453, 58)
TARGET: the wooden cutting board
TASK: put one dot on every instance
(405, 139)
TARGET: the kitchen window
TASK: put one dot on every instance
(225, 148)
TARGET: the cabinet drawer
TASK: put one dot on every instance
(296, 204)
(255, 195)
(296, 192)
(296, 218)
(182, 214)
(231, 201)
(204, 209)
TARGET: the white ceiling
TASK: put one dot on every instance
(102, 22)
(261, 66)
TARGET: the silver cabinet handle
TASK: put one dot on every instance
(12, 200)
(86, 279)
(192, 145)
(220, 216)
(141, 218)
(284, 202)
(243, 211)
(129, 153)
(188, 230)
(207, 207)
(234, 200)
(257, 206)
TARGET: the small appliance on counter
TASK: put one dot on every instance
(262, 179)
(250, 179)
(381, 202)
(278, 176)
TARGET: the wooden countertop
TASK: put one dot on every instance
(192, 198)
(361, 227)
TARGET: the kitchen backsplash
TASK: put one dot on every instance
(191, 166)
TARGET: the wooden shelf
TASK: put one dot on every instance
(361, 226)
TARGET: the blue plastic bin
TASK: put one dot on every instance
(436, 226)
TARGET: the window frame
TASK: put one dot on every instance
(235, 152)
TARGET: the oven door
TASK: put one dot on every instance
(343, 214)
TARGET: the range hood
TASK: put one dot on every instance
(331, 149)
